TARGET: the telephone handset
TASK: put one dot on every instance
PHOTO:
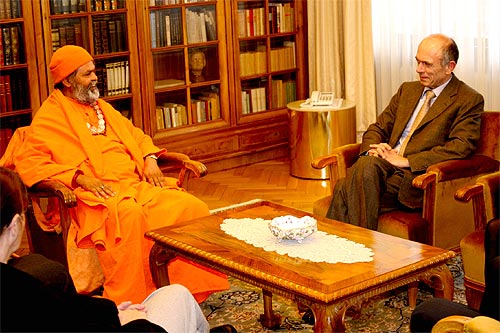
(322, 99)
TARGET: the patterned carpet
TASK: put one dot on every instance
(242, 305)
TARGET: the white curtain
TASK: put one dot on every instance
(341, 53)
(399, 26)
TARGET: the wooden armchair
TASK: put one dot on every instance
(485, 196)
(443, 221)
(53, 244)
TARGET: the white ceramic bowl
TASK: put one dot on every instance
(293, 228)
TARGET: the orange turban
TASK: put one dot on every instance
(66, 60)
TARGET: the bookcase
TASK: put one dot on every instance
(218, 74)
(105, 28)
(271, 71)
(209, 78)
(184, 63)
(19, 93)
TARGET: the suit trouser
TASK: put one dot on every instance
(370, 188)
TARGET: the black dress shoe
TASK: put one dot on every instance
(308, 317)
(224, 329)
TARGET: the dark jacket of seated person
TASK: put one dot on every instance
(29, 306)
(428, 313)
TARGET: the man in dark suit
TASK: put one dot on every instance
(393, 152)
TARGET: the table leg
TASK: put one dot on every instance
(442, 282)
(328, 318)
(412, 294)
(159, 257)
(269, 319)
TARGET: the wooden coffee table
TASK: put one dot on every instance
(328, 289)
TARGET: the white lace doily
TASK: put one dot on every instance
(319, 247)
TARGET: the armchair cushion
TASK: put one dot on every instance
(407, 225)
(458, 324)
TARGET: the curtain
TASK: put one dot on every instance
(341, 53)
(400, 25)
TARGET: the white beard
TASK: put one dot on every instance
(86, 95)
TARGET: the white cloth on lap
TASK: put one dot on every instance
(175, 309)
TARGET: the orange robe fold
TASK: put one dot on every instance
(58, 144)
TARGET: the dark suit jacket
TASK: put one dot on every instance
(449, 130)
(27, 305)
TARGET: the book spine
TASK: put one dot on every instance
(2, 10)
(8, 94)
(55, 39)
(56, 6)
(7, 46)
(8, 12)
(113, 41)
(65, 6)
(78, 34)
(15, 8)
(120, 36)
(105, 37)
(14, 40)
(2, 61)
(3, 97)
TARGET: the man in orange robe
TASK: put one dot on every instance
(90, 147)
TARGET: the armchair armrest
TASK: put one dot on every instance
(463, 168)
(348, 153)
(53, 188)
(440, 183)
(182, 161)
(338, 161)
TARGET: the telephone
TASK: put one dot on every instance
(322, 99)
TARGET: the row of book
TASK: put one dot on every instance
(253, 100)
(281, 18)
(13, 92)
(78, 6)
(66, 32)
(164, 2)
(166, 27)
(11, 44)
(283, 58)
(205, 107)
(201, 26)
(172, 2)
(253, 62)
(282, 93)
(252, 21)
(171, 115)
(10, 9)
(109, 35)
(113, 78)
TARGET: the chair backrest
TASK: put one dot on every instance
(7, 160)
(489, 144)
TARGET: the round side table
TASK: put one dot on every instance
(315, 131)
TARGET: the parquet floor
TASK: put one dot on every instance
(269, 180)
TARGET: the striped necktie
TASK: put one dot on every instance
(429, 94)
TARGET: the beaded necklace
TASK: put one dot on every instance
(101, 123)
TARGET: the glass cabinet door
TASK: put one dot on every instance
(267, 55)
(185, 65)
(19, 93)
(102, 27)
